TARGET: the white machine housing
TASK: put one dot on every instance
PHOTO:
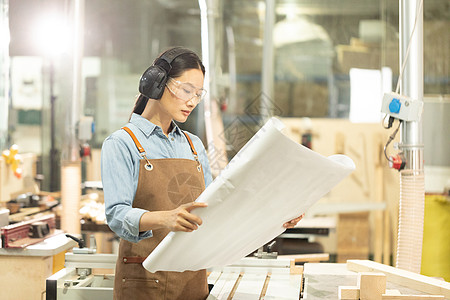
(76, 280)
(402, 107)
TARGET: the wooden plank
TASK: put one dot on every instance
(262, 263)
(235, 286)
(257, 279)
(230, 281)
(213, 277)
(250, 286)
(371, 285)
(392, 293)
(387, 239)
(348, 293)
(295, 269)
(299, 258)
(93, 166)
(24, 212)
(402, 277)
(353, 236)
(266, 284)
(412, 297)
(378, 215)
(220, 284)
(252, 265)
(283, 286)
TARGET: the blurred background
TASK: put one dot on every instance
(69, 78)
(315, 44)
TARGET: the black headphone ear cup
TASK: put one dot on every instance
(153, 82)
(154, 79)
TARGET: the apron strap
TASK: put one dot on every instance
(133, 259)
(144, 155)
(190, 143)
(199, 165)
(136, 142)
(141, 150)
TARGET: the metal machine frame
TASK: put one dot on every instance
(77, 281)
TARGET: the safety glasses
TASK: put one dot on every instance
(185, 91)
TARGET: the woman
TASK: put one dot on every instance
(152, 172)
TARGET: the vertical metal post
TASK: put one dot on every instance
(412, 183)
(4, 73)
(75, 109)
(412, 79)
(267, 76)
(71, 165)
(208, 55)
(53, 149)
(232, 68)
(209, 113)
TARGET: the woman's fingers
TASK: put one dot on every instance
(190, 222)
(191, 218)
(185, 225)
(192, 205)
(288, 225)
(293, 222)
(187, 221)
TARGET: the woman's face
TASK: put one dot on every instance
(177, 108)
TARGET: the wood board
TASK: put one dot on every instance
(402, 277)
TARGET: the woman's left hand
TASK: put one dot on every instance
(293, 222)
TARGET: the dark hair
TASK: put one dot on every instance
(180, 64)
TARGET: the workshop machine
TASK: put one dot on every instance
(77, 280)
(263, 275)
(23, 234)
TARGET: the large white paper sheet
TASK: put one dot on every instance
(269, 182)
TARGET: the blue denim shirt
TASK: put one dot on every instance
(120, 170)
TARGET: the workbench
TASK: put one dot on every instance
(322, 281)
(249, 278)
(279, 279)
(246, 279)
(24, 271)
(253, 278)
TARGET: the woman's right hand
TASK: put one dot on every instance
(181, 218)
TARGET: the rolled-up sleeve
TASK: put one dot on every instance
(119, 178)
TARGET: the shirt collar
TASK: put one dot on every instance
(148, 127)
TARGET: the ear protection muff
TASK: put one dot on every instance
(154, 79)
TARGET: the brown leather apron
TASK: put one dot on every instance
(164, 184)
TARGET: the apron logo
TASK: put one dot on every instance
(184, 188)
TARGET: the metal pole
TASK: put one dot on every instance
(76, 91)
(267, 77)
(71, 165)
(211, 115)
(412, 182)
(412, 79)
(232, 106)
(266, 104)
(4, 73)
(208, 55)
(53, 150)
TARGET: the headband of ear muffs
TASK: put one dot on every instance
(154, 79)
